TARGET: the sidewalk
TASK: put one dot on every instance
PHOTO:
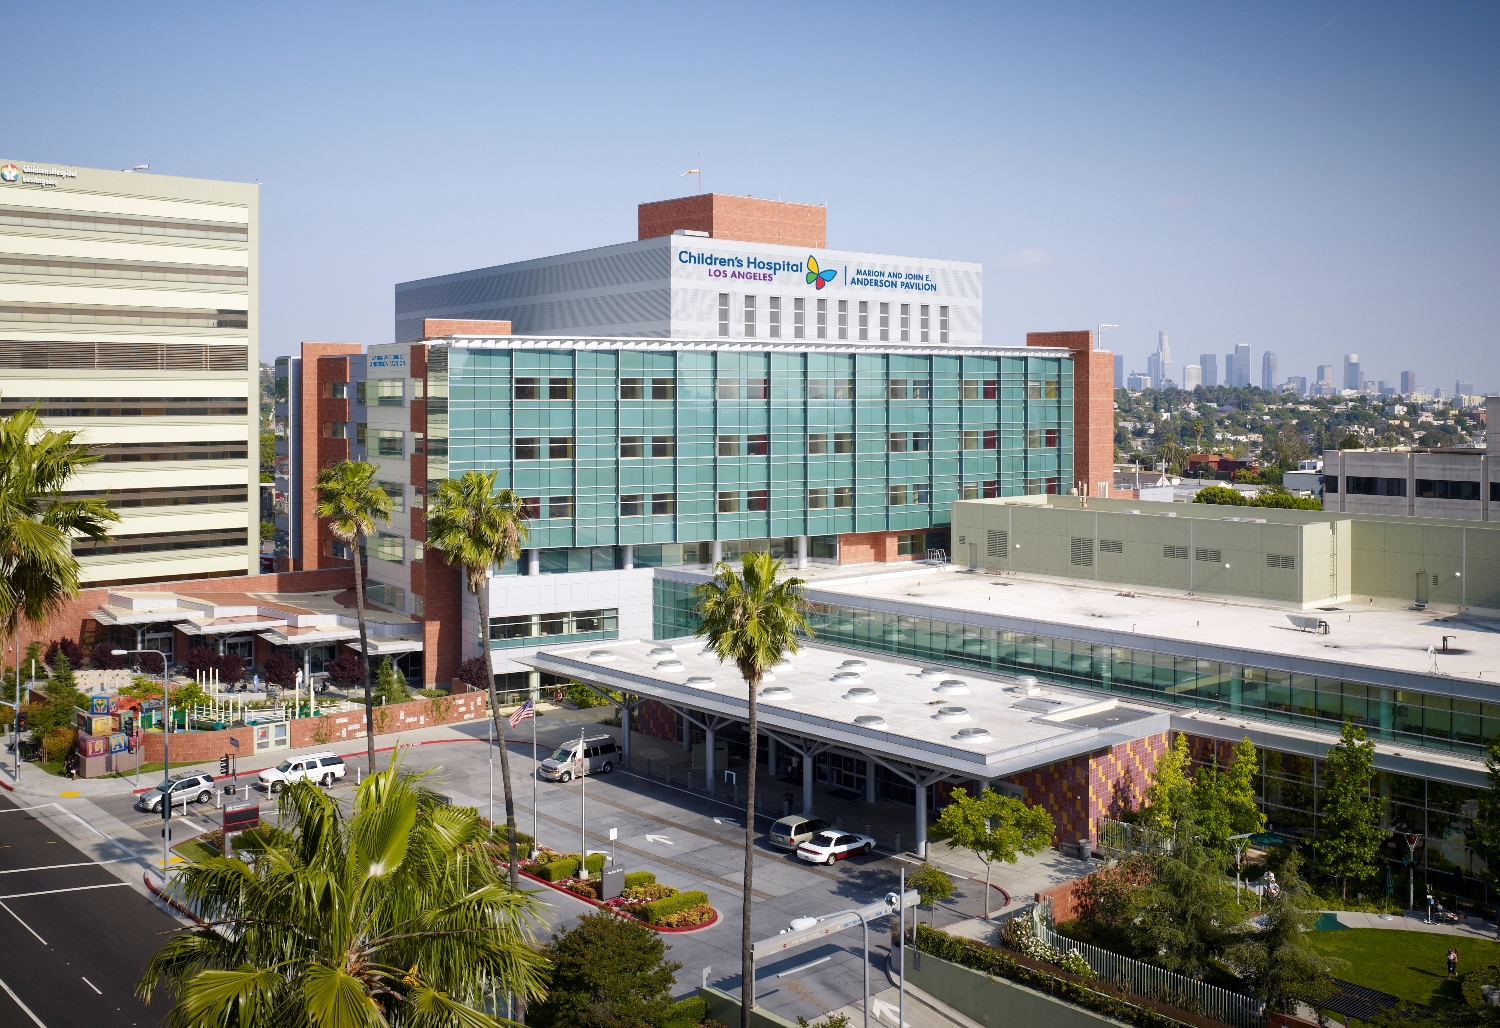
(1415, 921)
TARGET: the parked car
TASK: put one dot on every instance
(184, 789)
(574, 760)
(826, 847)
(793, 830)
(323, 768)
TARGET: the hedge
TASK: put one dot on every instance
(563, 867)
(596, 863)
(634, 879)
(672, 904)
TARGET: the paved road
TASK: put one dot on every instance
(74, 937)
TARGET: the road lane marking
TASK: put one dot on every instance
(55, 867)
(12, 994)
(54, 892)
(91, 985)
(659, 838)
(24, 925)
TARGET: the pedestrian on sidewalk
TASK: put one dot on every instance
(1452, 962)
(789, 797)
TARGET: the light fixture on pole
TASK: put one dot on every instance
(1099, 339)
(138, 167)
(582, 762)
(696, 171)
(166, 756)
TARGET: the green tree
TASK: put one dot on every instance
(993, 828)
(38, 526)
(390, 684)
(1483, 836)
(352, 502)
(62, 699)
(1280, 962)
(752, 620)
(1170, 794)
(476, 529)
(1223, 801)
(933, 886)
(1350, 816)
(268, 456)
(268, 530)
(390, 914)
(1220, 494)
(1351, 442)
(1187, 916)
(607, 972)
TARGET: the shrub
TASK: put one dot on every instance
(673, 904)
(690, 1010)
(583, 697)
(596, 863)
(635, 879)
(231, 668)
(476, 672)
(390, 684)
(648, 893)
(687, 918)
(1073, 963)
(59, 742)
(102, 656)
(200, 659)
(65, 646)
(1221, 494)
(584, 889)
(281, 670)
(347, 671)
(558, 870)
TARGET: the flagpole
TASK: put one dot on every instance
(534, 767)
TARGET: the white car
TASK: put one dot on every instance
(323, 768)
(826, 847)
(185, 789)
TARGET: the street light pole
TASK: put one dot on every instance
(583, 810)
(166, 756)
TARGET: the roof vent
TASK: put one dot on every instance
(952, 687)
(933, 674)
(1027, 685)
(854, 665)
(768, 676)
(951, 714)
(863, 694)
(846, 678)
(965, 734)
(783, 665)
(670, 665)
(701, 681)
(870, 721)
(661, 651)
(776, 692)
(601, 655)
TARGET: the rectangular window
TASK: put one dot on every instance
(968, 491)
(361, 432)
(528, 389)
(773, 317)
(1494, 492)
(921, 389)
(981, 389)
(338, 390)
(559, 388)
(924, 322)
(632, 446)
(388, 442)
(632, 389)
(757, 389)
(817, 443)
(531, 507)
(338, 429)
(843, 319)
(991, 439)
(906, 322)
(729, 502)
(560, 447)
(724, 315)
(799, 318)
(1363, 485)
(1052, 437)
(395, 492)
(898, 442)
(943, 325)
(749, 317)
(920, 493)
(632, 505)
(921, 442)
(843, 496)
(758, 499)
(885, 322)
(896, 389)
(663, 388)
(990, 490)
(389, 392)
(817, 389)
(897, 497)
(1033, 438)
(843, 442)
(911, 544)
(817, 499)
(729, 389)
(1443, 489)
(822, 319)
(359, 392)
(663, 503)
(387, 547)
(663, 446)
(520, 629)
(729, 446)
(416, 443)
(970, 439)
(757, 445)
(559, 506)
(864, 319)
(843, 388)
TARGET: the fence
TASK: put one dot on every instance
(1117, 839)
(1157, 983)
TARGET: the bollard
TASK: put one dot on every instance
(735, 792)
(669, 774)
(897, 844)
(838, 822)
(867, 828)
(648, 769)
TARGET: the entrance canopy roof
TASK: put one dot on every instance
(972, 725)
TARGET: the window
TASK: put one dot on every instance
(559, 506)
(531, 507)
(749, 317)
(968, 491)
(921, 389)
(897, 497)
(758, 499)
(1033, 438)
(843, 496)
(991, 439)
(817, 499)
(899, 442)
(663, 446)
(663, 503)
(817, 443)
(1174, 552)
(729, 502)
(416, 443)
(943, 325)
(835, 388)
(1370, 486)
(359, 391)
(997, 544)
(757, 445)
(921, 442)
(1211, 556)
(338, 429)
(559, 388)
(773, 317)
(560, 447)
(981, 389)
(394, 491)
(885, 322)
(970, 440)
(520, 629)
(911, 544)
(338, 390)
(632, 446)
(1081, 554)
(1051, 437)
(1331, 484)
(632, 505)
(990, 490)
(632, 389)
(843, 319)
(1284, 561)
(924, 319)
(896, 389)
(728, 389)
(729, 446)
(756, 389)
(799, 318)
(864, 319)
(664, 388)
(387, 547)
(724, 315)
(1443, 489)
(1495, 492)
(822, 319)
(1045, 389)
(388, 442)
(1112, 546)
(388, 392)
(528, 447)
(843, 442)
(906, 322)
(528, 389)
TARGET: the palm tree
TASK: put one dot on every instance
(38, 570)
(352, 501)
(754, 621)
(476, 528)
(391, 914)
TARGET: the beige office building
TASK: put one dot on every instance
(129, 310)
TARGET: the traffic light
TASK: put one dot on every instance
(224, 764)
(21, 721)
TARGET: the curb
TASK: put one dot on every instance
(599, 904)
(169, 901)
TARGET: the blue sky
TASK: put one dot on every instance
(1310, 178)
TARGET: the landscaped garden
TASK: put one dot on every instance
(642, 899)
(1409, 965)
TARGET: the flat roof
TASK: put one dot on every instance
(582, 342)
(981, 725)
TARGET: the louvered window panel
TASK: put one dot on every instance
(63, 355)
(1175, 552)
(1281, 560)
(997, 544)
(1212, 556)
(1111, 546)
(1082, 554)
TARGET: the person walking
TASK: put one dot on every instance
(789, 797)
(1452, 962)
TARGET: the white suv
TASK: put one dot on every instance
(323, 768)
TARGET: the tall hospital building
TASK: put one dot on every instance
(128, 311)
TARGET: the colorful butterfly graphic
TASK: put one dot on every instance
(818, 278)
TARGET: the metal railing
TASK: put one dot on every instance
(1119, 839)
(1232, 1008)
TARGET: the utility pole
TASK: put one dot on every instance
(583, 832)
(1099, 339)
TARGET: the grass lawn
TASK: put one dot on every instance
(194, 849)
(1411, 965)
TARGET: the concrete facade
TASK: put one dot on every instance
(1458, 484)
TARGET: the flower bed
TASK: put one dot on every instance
(660, 907)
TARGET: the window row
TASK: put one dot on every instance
(775, 325)
(518, 629)
(635, 505)
(635, 447)
(389, 391)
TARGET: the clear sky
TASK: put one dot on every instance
(1312, 178)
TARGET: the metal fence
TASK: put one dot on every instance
(1118, 839)
(1153, 982)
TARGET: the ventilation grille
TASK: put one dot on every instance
(1083, 552)
(1281, 560)
(1213, 556)
(997, 544)
(62, 355)
(1111, 546)
(1175, 552)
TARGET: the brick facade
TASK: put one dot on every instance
(322, 365)
(872, 548)
(1093, 408)
(1063, 789)
(1104, 784)
(438, 328)
(656, 720)
(736, 217)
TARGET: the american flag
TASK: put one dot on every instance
(524, 711)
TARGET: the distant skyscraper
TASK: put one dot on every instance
(1462, 388)
(1408, 382)
(1209, 362)
(1135, 382)
(1242, 366)
(1268, 377)
(1159, 365)
(1325, 374)
(1297, 384)
(1352, 377)
(1192, 376)
(1119, 371)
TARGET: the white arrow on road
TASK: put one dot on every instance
(659, 838)
(726, 821)
(887, 1012)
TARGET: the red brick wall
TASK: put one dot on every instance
(442, 619)
(198, 747)
(1120, 776)
(1093, 407)
(737, 217)
(872, 547)
(1064, 899)
(437, 328)
(322, 363)
(656, 720)
(1063, 789)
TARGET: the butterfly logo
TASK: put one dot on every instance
(818, 278)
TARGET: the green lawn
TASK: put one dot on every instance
(1411, 965)
(194, 849)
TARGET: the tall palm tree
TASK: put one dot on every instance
(352, 501)
(476, 528)
(38, 570)
(752, 620)
(391, 914)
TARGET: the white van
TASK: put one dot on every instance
(323, 768)
(574, 759)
